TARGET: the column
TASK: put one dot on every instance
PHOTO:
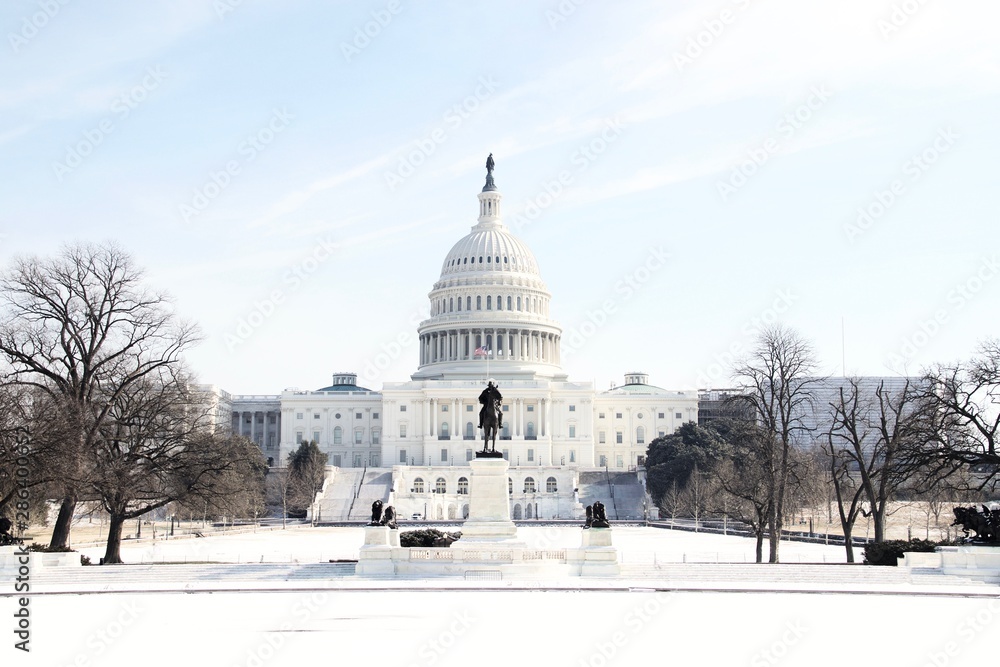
(543, 407)
(427, 417)
(456, 419)
(434, 417)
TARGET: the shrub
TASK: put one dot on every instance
(887, 553)
(428, 537)
(35, 546)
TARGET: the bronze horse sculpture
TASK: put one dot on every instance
(491, 425)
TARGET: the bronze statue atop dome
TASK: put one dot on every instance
(490, 185)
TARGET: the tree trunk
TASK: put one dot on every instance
(760, 544)
(113, 553)
(849, 543)
(60, 532)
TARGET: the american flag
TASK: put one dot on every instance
(481, 351)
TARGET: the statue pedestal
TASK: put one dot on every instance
(596, 557)
(489, 503)
(375, 557)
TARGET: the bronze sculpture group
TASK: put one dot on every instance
(380, 517)
(490, 418)
(985, 524)
(597, 517)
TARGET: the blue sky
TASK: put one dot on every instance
(294, 173)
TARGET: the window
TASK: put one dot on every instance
(508, 298)
(298, 415)
(444, 431)
(338, 435)
(529, 432)
(402, 430)
(459, 304)
(506, 408)
(316, 416)
(602, 438)
(469, 432)
(374, 415)
(357, 415)
(531, 454)
(444, 408)
(463, 486)
(678, 415)
(468, 455)
(660, 416)
(468, 408)
(337, 416)
(316, 436)
(519, 303)
(357, 436)
(468, 303)
(640, 436)
(298, 437)
(375, 436)
(550, 485)
(440, 486)
(618, 415)
(600, 415)
(529, 484)
(402, 408)
(451, 304)
(572, 431)
(418, 485)
(618, 437)
(402, 456)
(489, 303)
(510, 484)
(499, 302)
(479, 303)
(639, 416)
(604, 461)
(572, 408)
(619, 461)
(572, 456)
(531, 408)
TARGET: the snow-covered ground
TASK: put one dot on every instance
(486, 628)
(305, 544)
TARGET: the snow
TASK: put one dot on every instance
(449, 627)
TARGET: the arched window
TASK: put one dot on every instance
(465, 511)
(463, 486)
(489, 303)
(527, 511)
(440, 486)
(469, 432)
(479, 303)
(508, 303)
(529, 432)
(519, 303)
(338, 435)
(444, 430)
(499, 302)
(451, 511)
(640, 436)
(418, 485)
(517, 511)
(451, 304)
(529, 484)
(468, 303)
(550, 485)
(459, 304)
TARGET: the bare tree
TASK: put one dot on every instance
(157, 446)
(871, 432)
(848, 494)
(82, 328)
(965, 423)
(745, 477)
(776, 382)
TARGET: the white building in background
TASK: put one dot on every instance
(490, 318)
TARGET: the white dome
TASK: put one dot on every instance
(489, 249)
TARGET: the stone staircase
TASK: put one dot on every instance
(375, 486)
(621, 492)
(337, 497)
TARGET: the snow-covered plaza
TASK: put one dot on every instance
(273, 598)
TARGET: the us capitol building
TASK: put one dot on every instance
(408, 444)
